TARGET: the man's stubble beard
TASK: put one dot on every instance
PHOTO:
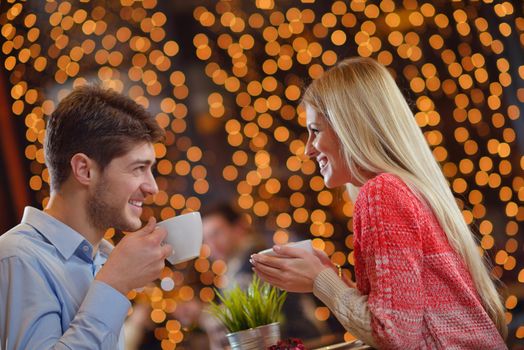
(103, 214)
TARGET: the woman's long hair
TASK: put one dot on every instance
(378, 133)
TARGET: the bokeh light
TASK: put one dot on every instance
(234, 127)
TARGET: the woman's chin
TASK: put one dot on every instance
(332, 183)
(329, 183)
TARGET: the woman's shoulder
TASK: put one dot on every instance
(386, 183)
(387, 190)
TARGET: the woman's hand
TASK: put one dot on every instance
(293, 269)
(325, 261)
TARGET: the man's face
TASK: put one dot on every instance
(219, 235)
(119, 192)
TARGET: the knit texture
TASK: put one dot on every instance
(420, 294)
(348, 305)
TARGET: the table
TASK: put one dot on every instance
(352, 345)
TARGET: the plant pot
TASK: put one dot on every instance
(250, 339)
(270, 334)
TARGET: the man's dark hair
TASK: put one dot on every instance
(224, 210)
(100, 123)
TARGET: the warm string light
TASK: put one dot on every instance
(414, 40)
(126, 48)
(452, 60)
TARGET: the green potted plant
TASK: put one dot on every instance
(251, 316)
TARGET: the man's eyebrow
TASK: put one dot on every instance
(143, 162)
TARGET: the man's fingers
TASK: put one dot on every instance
(167, 250)
(148, 227)
(158, 235)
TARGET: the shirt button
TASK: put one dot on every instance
(85, 248)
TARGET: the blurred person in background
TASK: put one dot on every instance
(231, 239)
(62, 285)
(421, 283)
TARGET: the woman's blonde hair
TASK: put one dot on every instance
(378, 133)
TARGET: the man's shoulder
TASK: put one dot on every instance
(20, 241)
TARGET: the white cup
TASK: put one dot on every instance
(184, 234)
(305, 244)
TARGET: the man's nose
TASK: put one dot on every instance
(150, 186)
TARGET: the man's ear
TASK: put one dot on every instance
(83, 168)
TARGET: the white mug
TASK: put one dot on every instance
(305, 244)
(184, 234)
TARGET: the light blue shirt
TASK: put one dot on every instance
(48, 296)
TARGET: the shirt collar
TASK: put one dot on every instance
(62, 237)
(105, 248)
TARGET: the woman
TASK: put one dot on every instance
(421, 283)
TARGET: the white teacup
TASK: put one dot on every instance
(184, 233)
(305, 244)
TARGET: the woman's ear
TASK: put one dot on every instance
(82, 168)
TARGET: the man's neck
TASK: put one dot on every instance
(72, 211)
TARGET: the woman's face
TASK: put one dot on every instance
(323, 145)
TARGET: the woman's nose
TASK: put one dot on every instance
(310, 149)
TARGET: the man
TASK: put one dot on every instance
(62, 286)
(231, 239)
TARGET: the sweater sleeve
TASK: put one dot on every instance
(347, 304)
(392, 256)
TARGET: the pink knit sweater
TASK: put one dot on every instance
(417, 292)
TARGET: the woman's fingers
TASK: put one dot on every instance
(267, 278)
(322, 256)
(276, 262)
(267, 269)
(271, 269)
(294, 274)
(290, 252)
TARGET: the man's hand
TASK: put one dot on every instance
(137, 259)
